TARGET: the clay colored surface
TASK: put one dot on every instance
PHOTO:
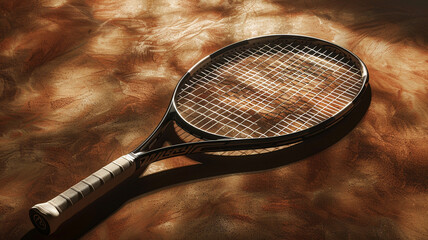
(83, 82)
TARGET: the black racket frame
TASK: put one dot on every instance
(146, 153)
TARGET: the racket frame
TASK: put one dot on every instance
(213, 142)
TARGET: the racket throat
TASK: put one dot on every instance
(146, 158)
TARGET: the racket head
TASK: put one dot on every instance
(247, 90)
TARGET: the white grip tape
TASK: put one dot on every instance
(48, 216)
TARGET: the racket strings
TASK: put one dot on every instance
(269, 90)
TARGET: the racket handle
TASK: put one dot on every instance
(48, 216)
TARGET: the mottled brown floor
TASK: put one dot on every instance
(83, 82)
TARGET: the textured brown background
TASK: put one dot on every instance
(83, 82)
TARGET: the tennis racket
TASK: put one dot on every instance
(259, 93)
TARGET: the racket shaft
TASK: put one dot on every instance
(48, 216)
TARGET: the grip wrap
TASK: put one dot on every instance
(48, 216)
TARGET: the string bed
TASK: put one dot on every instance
(267, 90)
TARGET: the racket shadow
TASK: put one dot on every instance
(211, 166)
